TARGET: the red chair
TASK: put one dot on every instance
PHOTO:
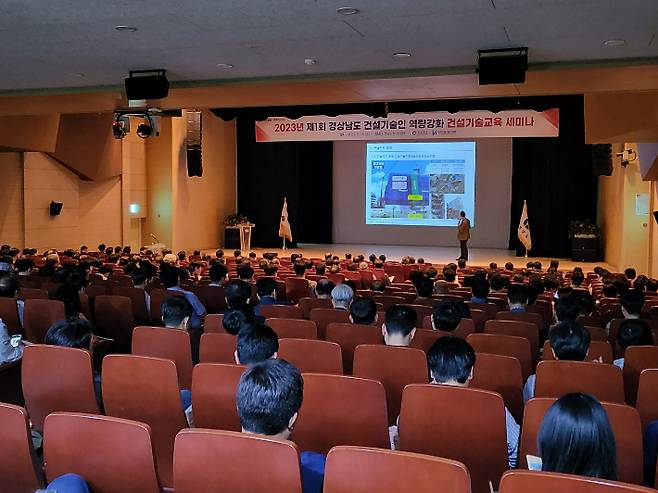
(293, 328)
(637, 359)
(308, 304)
(389, 301)
(424, 338)
(280, 311)
(349, 336)
(528, 317)
(547, 482)
(138, 298)
(39, 316)
(217, 348)
(9, 315)
(173, 344)
(157, 298)
(32, 294)
(516, 328)
(504, 345)
(214, 322)
(114, 316)
(19, 465)
(500, 374)
(312, 356)
(297, 288)
(421, 312)
(324, 316)
(647, 397)
(213, 395)
(211, 297)
(556, 378)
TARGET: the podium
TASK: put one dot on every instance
(238, 236)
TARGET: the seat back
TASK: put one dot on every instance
(474, 417)
(348, 336)
(364, 470)
(214, 322)
(647, 397)
(131, 384)
(114, 316)
(500, 374)
(293, 328)
(388, 301)
(113, 455)
(57, 379)
(341, 410)
(173, 344)
(548, 482)
(504, 345)
(296, 288)
(312, 355)
(157, 297)
(529, 317)
(138, 299)
(597, 349)
(20, 468)
(516, 328)
(32, 294)
(325, 316)
(213, 395)
(211, 297)
(214, 460)
(636, 359)
(424, 338)
(556, 378)
(39, 316)
(394, 367)
(11, 391)
(307, 304)
(625, 423)
(280, 311)
(9, 315)
(422, 311)
(217, 347)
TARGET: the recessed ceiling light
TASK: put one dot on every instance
(310, 61)
(125, 29)
(401, 54)
(225, 65)
(347, 11)
(614, 42)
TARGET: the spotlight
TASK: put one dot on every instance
(120, 127)
(145, 130)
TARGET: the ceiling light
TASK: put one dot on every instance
(614, 42)
(120, 127)
(145, 130)
(401, 54)
(225, 65)
(347, 11)
(310, 61)
(125, 29)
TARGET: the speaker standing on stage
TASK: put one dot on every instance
(463, 234)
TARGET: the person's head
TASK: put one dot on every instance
(378, 286)
(446, 316)
(219, 253)
(640, 282)
(237, 253)
(341, 296)
(586, 303)
(268, 398)
(320, 269)
(652, 285)
(300, 269)
(324, 288)
(235, 318)
(517, 295)
(509, 266)
(399, 325)
(270, 270)
(493, 266)
(363, 311)
(24, 265)
(9, 287)
(69, 294)
(237, 292)
(451, 361)
(567, 308)
(169, 275)
(461, 263)
(256, 343)
(575, 437)
(72, 332)
(449, 275)
(245, 272)
(266, 286)
(577, 278)
(569, 341)
(101, 247)
(610, 290)
(630, 273)
(632, 302)
(498, 282)
(634, 332)
(480, 287)
(218, 273)
(176, 312)
(424, 287)
(462, 214)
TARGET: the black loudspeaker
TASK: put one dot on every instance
(655, 216)
(601, 159)
(506, 66)
(147, 84)
(193, 144)
(56, 208)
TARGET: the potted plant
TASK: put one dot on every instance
(583, 229)
(235, 219)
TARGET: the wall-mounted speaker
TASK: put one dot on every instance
(502, 66)
(56, 208)
(146, 84)
(193, 143)
(601, 159)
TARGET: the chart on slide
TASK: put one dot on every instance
(420, 184)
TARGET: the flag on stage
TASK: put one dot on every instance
(284, 227)
(524, 228)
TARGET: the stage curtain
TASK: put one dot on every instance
(299, 171)
(555, 177)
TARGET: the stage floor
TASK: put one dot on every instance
(435, 255)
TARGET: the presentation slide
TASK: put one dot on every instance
(420, 184)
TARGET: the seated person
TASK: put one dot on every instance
(569, 342)
(323, 289)
(363, 312)
(577, 279)
(517, 297)
(245, 272)
(68, 483)
(268, 398)
(633, 332)
(450, 276)
(271, 270)
(630, 274)
(567, 308)
(575, 437)
(235, 318)
(378, 286)
(69, 294)
(176, 313)
(256, 343)
(218, 274)
(341, 297)
(24, 267)
(632, 302)
(9, 289)
(446, 316)
(451, 361)
(300, 272)
(424, 287)
(399, 326)
(170, 277)
(480, 289)
(265, 292)
(237, 292)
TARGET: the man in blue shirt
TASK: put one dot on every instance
(266, 293)
(480, 288)
(268, 398)
(517, 297)
(169, 275)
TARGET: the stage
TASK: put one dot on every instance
(435, 255)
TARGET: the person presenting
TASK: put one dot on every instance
(463, 234)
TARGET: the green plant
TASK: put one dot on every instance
(235, 219)
(583, 227)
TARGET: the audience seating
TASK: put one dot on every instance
(590, 320)
(131, 386)
(348, 336)
(307, 304)
(324, 316)
(26, 293)
(113, 455)
(311, 355)
(388, 301)
(597, 349)
(214, 322)
(20, 468)
(212, 298)
(421, 312)
(489, 309)
(114, 317)
(11, 391)
(546, 482)
(57, 379)
(39, 316)
(367, 470)
(138, 299)
(213, 460)
(466, 326)
(157, 297)
(173, 344)
(596, 333)
(294, 328)
(625, 422)
(479, 319)
(528, 317)
(217, 348)
(280, 311)
(500, 374)
(296, 288)
(9, 315)
(424, 338)
(213, 396)
(394, 367)
(556, 378)
(341, 410)
(463, 424)
(647, 397)
(504, 345)
(636, 359)
(518, 329)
